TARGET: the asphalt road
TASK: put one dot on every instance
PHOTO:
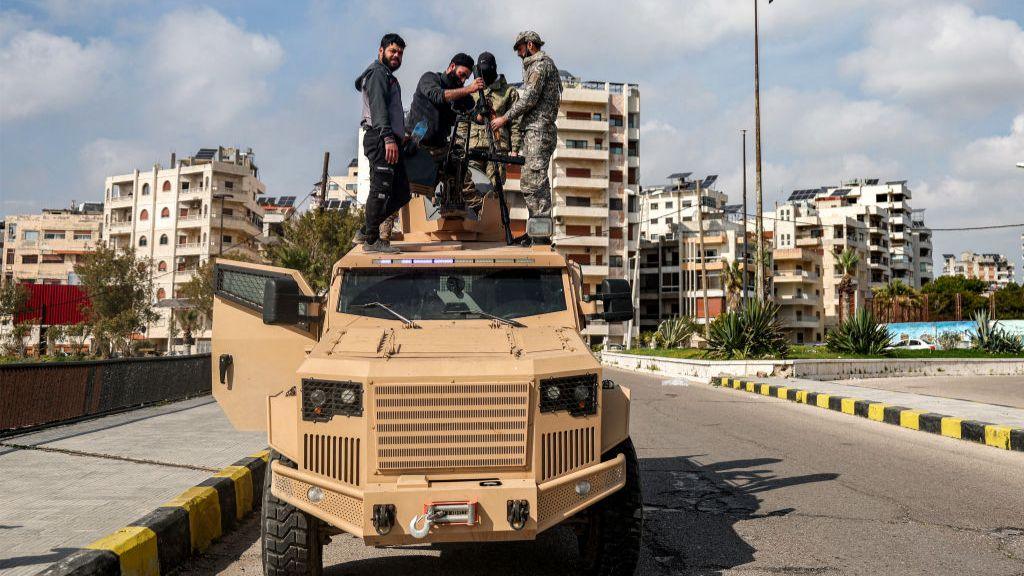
(736, 483)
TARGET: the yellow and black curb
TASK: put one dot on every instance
(994, 435)
(163, 540)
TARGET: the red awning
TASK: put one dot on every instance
(54, 304)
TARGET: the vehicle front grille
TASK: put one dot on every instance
(450, 426)
(564, 451)
(333, 456)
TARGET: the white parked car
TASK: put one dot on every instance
(911, 344)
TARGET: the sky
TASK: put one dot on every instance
(928, 91)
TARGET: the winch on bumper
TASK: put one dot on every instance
(497, 507)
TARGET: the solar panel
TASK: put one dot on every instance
(799, 195)
(206, 153)
(333, 204)
(840, 192)
(871, 181)
(709, 181)
(732, 208)
(286, 200)
(679, 175)
(264, 201)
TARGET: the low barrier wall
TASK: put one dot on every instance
(33, 394)
(817, 369)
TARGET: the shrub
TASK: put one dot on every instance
(675, 332)
(859, 334)
(751, 332)
(991, 337)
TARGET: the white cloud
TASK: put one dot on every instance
(945, 54)
(203, 71)
(105, 157)
(42, 73)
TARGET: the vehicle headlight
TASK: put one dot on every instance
(575, 394)
(325, 399)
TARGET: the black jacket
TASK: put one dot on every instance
(428, 104)
(382, 101)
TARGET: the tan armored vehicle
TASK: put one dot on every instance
(443, 394)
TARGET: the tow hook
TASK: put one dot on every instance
(518, 513)
(463, 513)
(383, 518)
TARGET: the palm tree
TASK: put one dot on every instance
(732, 282)
(896, 296)
(846, 264)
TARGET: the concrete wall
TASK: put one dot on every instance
(816, 369)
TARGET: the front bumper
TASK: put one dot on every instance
(351, 509)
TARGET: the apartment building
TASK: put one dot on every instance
(995, 269)
(44, 248)
(673, 271)
(344, 188)
(275, 212)
(177, 217)
(595, 171)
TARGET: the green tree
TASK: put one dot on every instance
(896, 296)
(314, 241)
(13, 302)
(120, 292)
(1009, 302)
(942, 293)
(846, 264)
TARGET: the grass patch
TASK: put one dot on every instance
(821, 353)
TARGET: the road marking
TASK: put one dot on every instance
(910, 419)
(136, 550)
(998, 436)
(951, 427)
(848, 405)
(203, 507)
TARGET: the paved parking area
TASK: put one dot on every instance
(997, 390)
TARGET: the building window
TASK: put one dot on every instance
(163, 239)
(165, 213)
(596, 116)
(615, 120)
(161, 267)
(167, 186)
(161, 294)
(634, 120)
(615, 175)
(225, 239)
(668, 220)
(615, 148)
(615, 203)
(229, 184)
(30, 235)
(54, 235)
(144, 215)
(83, 235)
(29, 259)
(145, 189)
(581, 144)
(668, 205)
(184, 186)
(654, 220)
(615, 261)
(142, 241)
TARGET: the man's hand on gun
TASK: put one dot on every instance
(498, 123)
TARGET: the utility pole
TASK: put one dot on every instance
(746, 259)
(703, 263)
(759, 222)
(323, 182)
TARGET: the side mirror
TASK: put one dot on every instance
(617, 296)
(281, 297)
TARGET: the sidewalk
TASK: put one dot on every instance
(989, 424)
(65, 487)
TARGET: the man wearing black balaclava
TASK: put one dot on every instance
(501, 96)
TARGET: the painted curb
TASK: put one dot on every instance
(993, 435)
(163, 540)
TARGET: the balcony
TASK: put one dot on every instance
(588, 95)
(634, 162)
(595, 270)
(795, 276)
(803, 242)
(564, 210)
(593, 182)
(125, 200)
(574, 240)
(190, 249)
(589, 153)
(119, 227)
(798, 299)
(195, 220)
(633, 133)
(792, 322)
(798, 254)
(564, 123)
(186, 275)
(234, 223)
(878, 263)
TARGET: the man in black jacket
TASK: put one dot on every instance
(384, 124)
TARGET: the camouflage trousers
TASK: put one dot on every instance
(388, 226)
(470, 195)
(538, 146)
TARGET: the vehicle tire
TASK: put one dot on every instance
(292, 544)
(610, 540)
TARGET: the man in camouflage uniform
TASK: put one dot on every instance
(537, 110)
(501, 96)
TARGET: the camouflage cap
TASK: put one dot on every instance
(528, 36)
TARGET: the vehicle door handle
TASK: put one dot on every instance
(225, 362)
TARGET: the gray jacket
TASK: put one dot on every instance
(382, 101)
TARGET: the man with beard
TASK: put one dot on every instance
(384, 125)
(537, 110)
(439, 97)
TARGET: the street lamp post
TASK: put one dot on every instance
(759, 220)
